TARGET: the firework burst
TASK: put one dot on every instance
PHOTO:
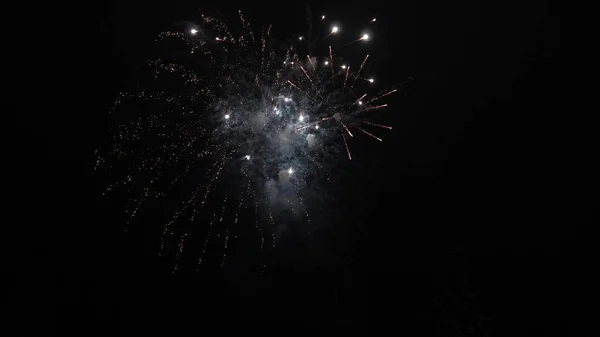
(231, 125)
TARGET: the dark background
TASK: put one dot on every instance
(456, 222)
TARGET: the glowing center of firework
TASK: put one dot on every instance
(374, 19)
(287, 99)
(193, 31)
(322, 17)
(290, 171)
(365, 37)
(227, 116)
(300, 38)
(334, 29)
(344, 67)
(359, 102)
(247, 157)
(371, 80)
(317, 126)
(218, 39)
(326, 62)
(301, 118)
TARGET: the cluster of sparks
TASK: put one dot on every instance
(238, 128)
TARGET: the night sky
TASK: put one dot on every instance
(450, 226)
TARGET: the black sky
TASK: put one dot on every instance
(460, 190)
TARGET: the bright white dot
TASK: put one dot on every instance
(287, 99)
(344, 67)
(291, 62)
(326, 62)
(301, 118)
(371, 80)
(247, 157)
(334, 29)
(300, 38)
(374, 19)
(227, 116)
(359, 102)
(365, 37)
(193, 31)
(290, 171)
(218, 39)
(322, 17)
(317, 126)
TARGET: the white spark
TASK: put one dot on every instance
(365, 37)
(300, 38)
(326, 62)
(290, 171)
(374, 19)
(344, 66)
(301, 118)
(371, 80)
(247, 157)
(193, 31)
(359, 102)
(334, 29)
(322, 17)
(227, 116)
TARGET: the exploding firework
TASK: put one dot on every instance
(231, 125)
